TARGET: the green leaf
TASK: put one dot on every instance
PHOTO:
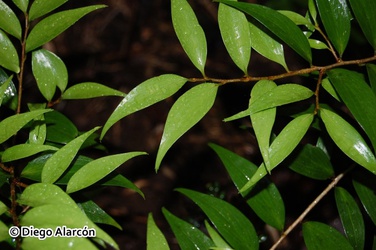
(236, 35)
(371, 70)
(40, 7)
(328, 86)
(365, 186)
(3, 208)
(24, 150)
(318, 236)
(21, 4)
(282, 146)
(8, 54)
(188, 236)
(295, 17)
(219, 242)
(60, 161)
(155, 239)
(90, 90)
(9, 21)
(4, 88)
(96, 170)
(335, 16)
(58, 243)
(144, 95)
(364, 11)
(317, 44)
(278, 24)
(53, 25)
(312, 162)
(9, 92)
(121, 181)
(59, 128)
(49, 71)
(234, 226)
(265, 200)
(351, 218)
(348, 140)
(11, 125)
(3, 231)
(189, 32)
(312, 10)
(184, 114)
(38, 132)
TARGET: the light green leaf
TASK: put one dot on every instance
(239, 115)
(312, 10)
(90, 90)
(97, 170)
(9, 21)
(335, 16)
(219, 242)
(8, 54)
(11, 125)
(365, 186)
(38, 132)
(348, 140)
(184, 114)
(3, 231)
(53, 25)
(364, 11)
(319, 236)
(155, 239)
(41, 7)
(58, 243)
(59, 128)
(49, 71)
(188, 236)
(371, 70)
(295, 17)
(189, 32)
(351, 218)
(60, 161)
(147, 93)
(278, 24)
(327, 85)
(236, 35)
(233, 225)
(317, 44)
(21, 151)
(21, 4)
(3, 208)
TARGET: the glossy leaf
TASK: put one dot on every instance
(278, 24)
(227, 219)
(312, 162)
(24, 150)
(144, 95)
(189, 32)
(317, 44)
(371, 70)
(38, 132)
(58, 243)
(11, 125)
(4, 87)
(188, 236)
(348, 140)
(90, 90)
(40, 7)
(8, 54)
(265, 200)
(59, 128)
(295, 17)
(49, 71)
(351, 218)
(219, 242)
(9, 21)
(318, 236)
(97, 214)
(364, 11)
(60, 161)
(21, 4)
(312, 10)
(365, 187)
(53, 25)
(236, 35)
(155, 239)
(282, 146)
(335, 16)
(97, 170)
(184, 114)
(9, 94)
(328, 86)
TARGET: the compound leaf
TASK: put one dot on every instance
(87, 90)
(9, 21)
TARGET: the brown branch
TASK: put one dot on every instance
(317, 91)
(331, 49)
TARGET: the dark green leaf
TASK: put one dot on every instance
(155, 238)
(10, 93)
(59, 128)
(97, 214)
(235, 228)
(351, 217)
(4, 87)
(365, 187)
(371, 70)
(90, 90)
(8, 54)
(9, 21)
(24, 150)
(328, 86)
(53, 25)
(121, 181)
(21, 4)
(38, 132)
(184, 114)
(40, 7)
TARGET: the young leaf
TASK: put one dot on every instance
(365, 188)
(90, 90)
(21, 4)
(24, 150)
(371, 70)
(184, 114)
(53, 25)
(11, 125)
(8, 54)
(335, 16)
(228, 220)
(60, 161)
(236, 35)
(318, 236)
(189, 32)
(364, 11)
(9, 21)
(40, 7)
(49, 71)
(59, 128)
(155, 239)
(351, 218)
(188, 236)
(145, 95)
(219, 242)
(278, 24)
(317, 44)
(97, 170)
